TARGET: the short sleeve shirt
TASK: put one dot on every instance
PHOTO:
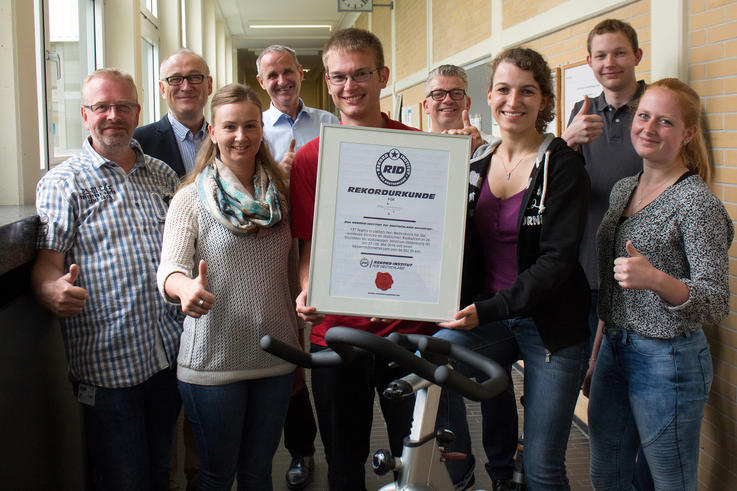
(110, 224)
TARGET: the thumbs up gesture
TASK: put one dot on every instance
(635, 271)
(192, 292)
(68, 300)
(467, 129)
(286, 161)
(584, 128)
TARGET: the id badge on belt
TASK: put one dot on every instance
(86, 394)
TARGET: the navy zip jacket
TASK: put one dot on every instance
(551, 286)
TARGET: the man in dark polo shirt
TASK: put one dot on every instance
(600, 129)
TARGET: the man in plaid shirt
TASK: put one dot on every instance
(102, 217)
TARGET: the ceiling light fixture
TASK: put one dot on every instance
(291, 26)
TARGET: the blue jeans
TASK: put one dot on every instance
(642, 481)
(551, 389)
(237, 428)
(128, 434)
(593, 318)
(648, 392)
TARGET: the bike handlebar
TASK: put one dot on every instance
(347, 343)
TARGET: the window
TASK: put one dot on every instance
(68, 32)
(183, 19)
(149, 85)
(149, 62)
(150, 6)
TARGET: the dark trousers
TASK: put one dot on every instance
(128, 434)
(300, 428)
(344, 402)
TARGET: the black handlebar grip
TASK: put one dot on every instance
(339, 337)
(297, 356)
(434, 345)
(285, 351)
(454, 380)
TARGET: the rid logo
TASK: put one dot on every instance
(393, 168)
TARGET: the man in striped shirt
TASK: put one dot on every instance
(102, 217)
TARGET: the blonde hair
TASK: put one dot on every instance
(695, 153)
(111, 73)
(233, 94)
(353, 39)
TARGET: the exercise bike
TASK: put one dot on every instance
(421, 465)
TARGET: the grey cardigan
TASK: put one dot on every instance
(686, 233)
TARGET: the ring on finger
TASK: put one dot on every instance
(202, 301)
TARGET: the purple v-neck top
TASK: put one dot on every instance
(496, 223)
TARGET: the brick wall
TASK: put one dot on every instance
(457, 28)
(712, 51)
(515, 11)
(569, 45)
(382, 27)
(411, 53)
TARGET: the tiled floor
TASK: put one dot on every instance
(577, 457)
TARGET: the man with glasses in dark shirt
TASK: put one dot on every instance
(185, 84)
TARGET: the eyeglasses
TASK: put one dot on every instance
(103, 108)
(194, 79)
(359, 76)
(439, 94)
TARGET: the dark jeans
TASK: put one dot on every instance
(499, 414)
(593, 319)
(300, 428)
(128, 434)
(344, 402)
(237, 427)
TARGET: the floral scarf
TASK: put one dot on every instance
(234, 209)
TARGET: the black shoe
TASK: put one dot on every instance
(501, 485)
(299, 474)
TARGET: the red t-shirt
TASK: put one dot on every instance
(303, 179)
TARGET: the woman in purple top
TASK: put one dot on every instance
(525, 295)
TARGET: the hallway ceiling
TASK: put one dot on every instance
(241, 15)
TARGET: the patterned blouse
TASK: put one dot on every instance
(686, 233)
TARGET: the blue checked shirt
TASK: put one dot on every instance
(111, 224)
(280, 128)
(188, 143)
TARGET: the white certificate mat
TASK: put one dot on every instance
(389, 223)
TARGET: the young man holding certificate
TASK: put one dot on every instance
(355, 74)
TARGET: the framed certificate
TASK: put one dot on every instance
(389, 223)
(578, 81)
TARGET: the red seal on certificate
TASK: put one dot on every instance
(383, 281)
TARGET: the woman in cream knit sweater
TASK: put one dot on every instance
(227, 258)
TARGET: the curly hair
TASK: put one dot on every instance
(530, 60)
